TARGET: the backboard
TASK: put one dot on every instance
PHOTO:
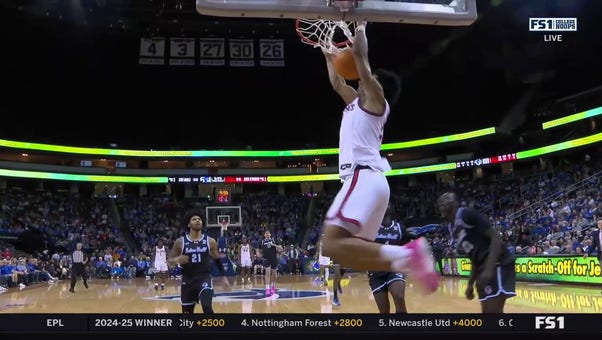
(219, 214)
(427, 12)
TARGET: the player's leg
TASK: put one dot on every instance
(274, 271)
(189, 298)
(320, 270)
(244, 273)
(206, 296)
(501, 286)
(336, 284)
(397, 289)
(267, 269)
(352, 221)
(378, 284)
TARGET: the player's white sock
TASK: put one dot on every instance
(392, 253)
(326, 273)
(267, 287)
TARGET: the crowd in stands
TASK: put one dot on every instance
(540, 211)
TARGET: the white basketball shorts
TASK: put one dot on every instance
(245, 263)
(360, 204)
(161, 267)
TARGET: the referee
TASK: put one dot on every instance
(78, 267)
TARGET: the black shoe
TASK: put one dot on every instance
(71, 290)
(86, 285)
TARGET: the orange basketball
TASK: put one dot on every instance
(344, 65)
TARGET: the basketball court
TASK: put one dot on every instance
(295, 294)
(327, 24)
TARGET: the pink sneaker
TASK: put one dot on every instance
(422, 265)
(268, 292)
(273, 290)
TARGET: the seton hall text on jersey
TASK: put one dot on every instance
(387, 236)
(195, 250)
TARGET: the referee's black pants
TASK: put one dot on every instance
(78, 269)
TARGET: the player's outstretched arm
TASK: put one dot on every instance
(373, 91)
(339, 85)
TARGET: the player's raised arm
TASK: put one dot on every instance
(373, 90)
(339, 85)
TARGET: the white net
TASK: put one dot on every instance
(333, 36)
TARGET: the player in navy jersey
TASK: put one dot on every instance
(394, 283)
(492, 264)
(269, 251)
(195, 252)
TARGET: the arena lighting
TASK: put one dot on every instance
(81, 178)
(571, 118)
(234, 153)
(322, 177)
(560, 146)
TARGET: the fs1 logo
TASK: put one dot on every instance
(549, 322)
(553, 24)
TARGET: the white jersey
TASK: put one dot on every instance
(360, 139)
(245, 253)
(160, 257)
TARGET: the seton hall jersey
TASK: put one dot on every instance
(392, 234)
(360, 139)
(199, 258)
(469, 236)
(268, 248)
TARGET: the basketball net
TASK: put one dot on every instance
(330, 35)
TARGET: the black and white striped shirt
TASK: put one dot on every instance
(78, 256)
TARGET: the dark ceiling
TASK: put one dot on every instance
(71, 75)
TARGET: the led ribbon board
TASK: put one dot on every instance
(306, 178)
(234, 153)
(572, 118)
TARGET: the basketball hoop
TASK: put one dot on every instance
(332, 36)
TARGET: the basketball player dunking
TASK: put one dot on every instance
(244, 255)
(195, 252)
(492, 265)
(357, 211)
(160, 264)
(385, 283)
(269, 250)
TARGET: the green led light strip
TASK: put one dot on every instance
(233, 153)
(559, 146)
(394, 172)
(439, 140)
(572, 118)
(81, 178)
(300, 178)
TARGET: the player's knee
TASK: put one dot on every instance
(335, 241)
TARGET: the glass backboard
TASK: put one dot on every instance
(427, 12)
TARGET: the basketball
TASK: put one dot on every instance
(344, 65)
